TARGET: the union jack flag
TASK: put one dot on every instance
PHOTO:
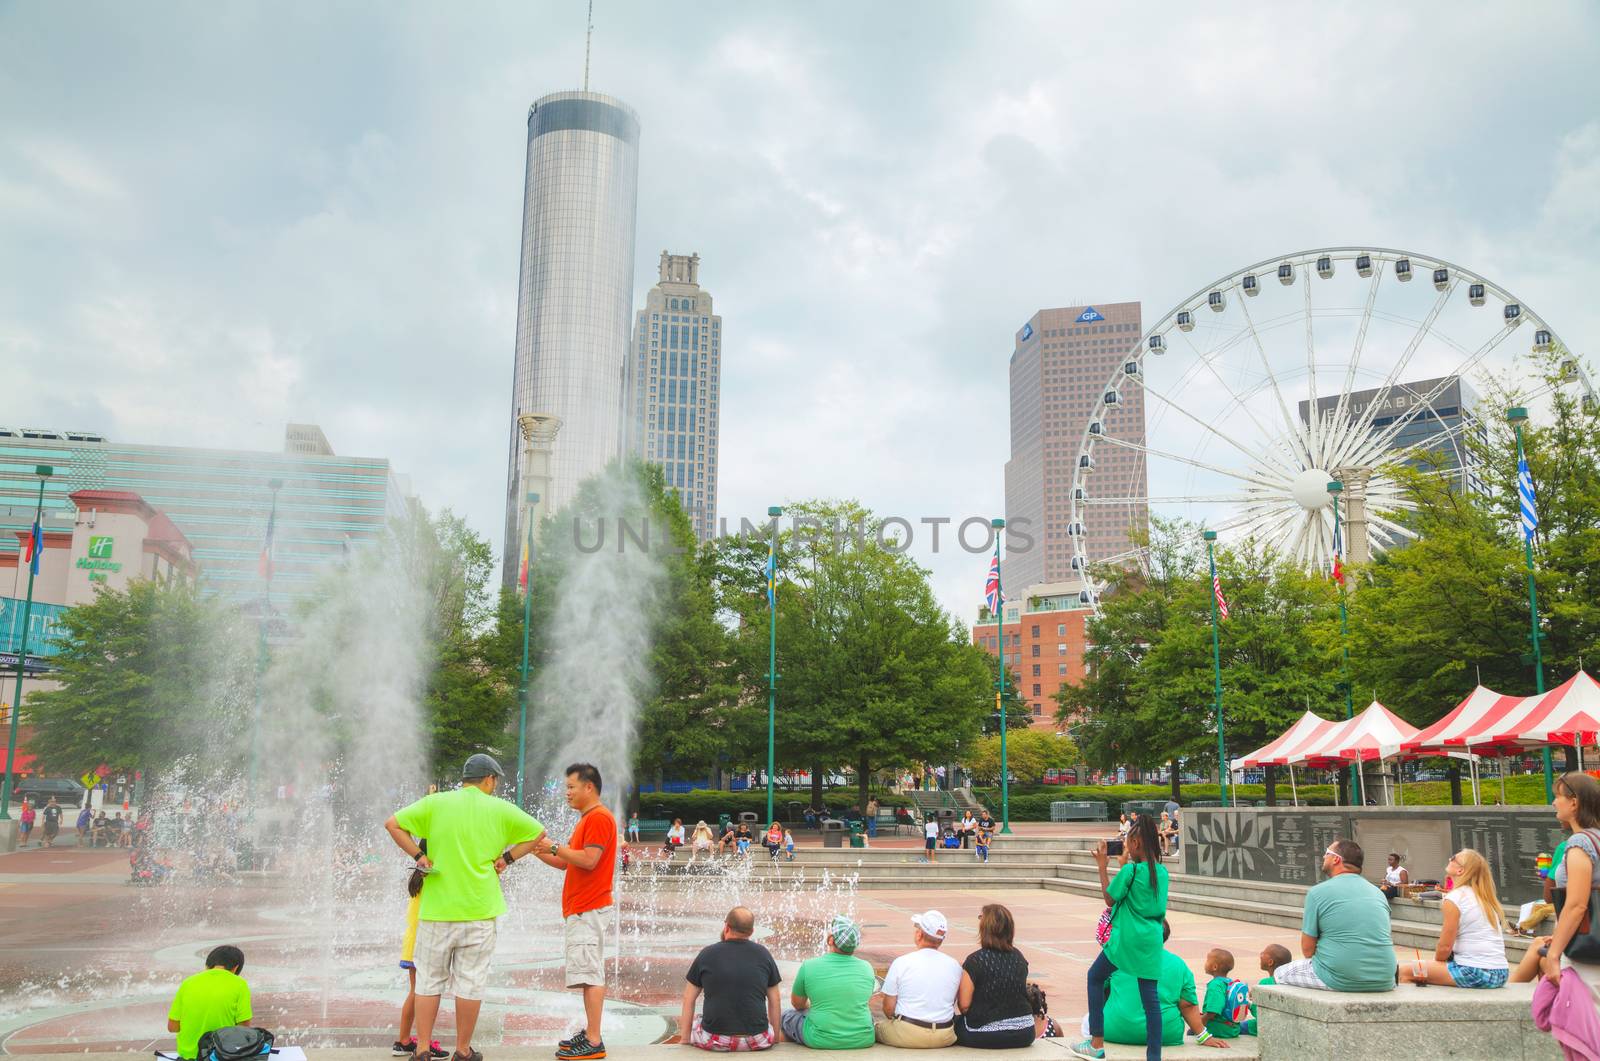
(991, 588)
(1222, 602)
(1338, 553)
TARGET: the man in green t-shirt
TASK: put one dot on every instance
(472, 836)
(216, 998)
(1344, 934)
(831, 995)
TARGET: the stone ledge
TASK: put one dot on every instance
(1241, 1049)
(1410, 1021)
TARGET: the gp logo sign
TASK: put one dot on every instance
(1089, 316)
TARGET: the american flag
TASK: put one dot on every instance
(1222, 602)
(991, 588)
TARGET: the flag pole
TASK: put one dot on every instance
(44, 472)
(1335, 488)
(1517, 416)
(999, 526)
(772, 657)
(1216, 667)
(522, 681)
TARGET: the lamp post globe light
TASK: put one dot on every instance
(44, 472)
(999, 526)
(772, 654)
(1516, 417)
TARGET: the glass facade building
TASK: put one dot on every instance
(674, 376)
(220, 500)
(1438, 433)
(575, 291)
(1060, 364)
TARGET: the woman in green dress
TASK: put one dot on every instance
(1138, 901)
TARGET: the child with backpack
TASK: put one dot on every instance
(205, 1002)
(406, 1045)
(1226, 1006)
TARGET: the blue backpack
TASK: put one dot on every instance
(1236, 1006)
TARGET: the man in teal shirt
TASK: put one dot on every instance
(831, 995)
(1344, 934)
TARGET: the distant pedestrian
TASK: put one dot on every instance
(27, 819)
(968, 829)
(471, 837)
(872, 816)
(589, 861)
(85, 818)
(773, 841)
(701, 842)
(675, 836)
(52, 822)
(1396, 877)
(788, 846)
(981, 849)
(930, 833)
(633, 827)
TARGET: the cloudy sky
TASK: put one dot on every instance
(215, 218)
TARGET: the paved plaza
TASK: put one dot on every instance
(90, 963)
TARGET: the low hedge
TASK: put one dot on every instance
(709, 803)
(1031, 803)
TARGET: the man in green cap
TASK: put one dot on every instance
(831, 995)
(471, 837)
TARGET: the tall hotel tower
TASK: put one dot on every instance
(575, 295)
(672, 411)
(1059, 368)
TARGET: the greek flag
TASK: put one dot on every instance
(772, 576)
(1530, 514)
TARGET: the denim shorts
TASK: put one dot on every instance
(1471, 976)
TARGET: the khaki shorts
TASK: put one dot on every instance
(453, 956)
(586, 948)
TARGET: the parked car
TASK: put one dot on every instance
(68, 793)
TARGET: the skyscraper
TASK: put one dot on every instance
(1059, 368)
(1443, 428)
(575, 294)
(674, 373)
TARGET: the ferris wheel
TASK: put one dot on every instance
(1259, 390)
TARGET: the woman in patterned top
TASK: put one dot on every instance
(993, 996)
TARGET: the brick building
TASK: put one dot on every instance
(1045, 639)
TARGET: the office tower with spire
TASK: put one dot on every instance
(673, 388)
(575, 295)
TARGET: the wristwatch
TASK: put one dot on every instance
(508, 856)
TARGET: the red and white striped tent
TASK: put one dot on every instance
(1376, 733)
(1456, 731)
(1567, 714)
(1307, 728)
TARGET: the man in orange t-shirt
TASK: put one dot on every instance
(590, 862)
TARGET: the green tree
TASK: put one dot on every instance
(144, 672)
(873, 674)
(1029, 753)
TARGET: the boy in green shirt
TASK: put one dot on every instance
(206, 1001)
(1214, 1007)
(1272, 956)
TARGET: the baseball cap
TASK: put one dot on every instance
(846, 935)
(480, 765)
(932, 923)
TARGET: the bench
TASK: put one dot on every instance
(1077, 811)
(1410, 1021)
(655, 828)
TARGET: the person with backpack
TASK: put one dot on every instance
(216, 998)
(1226, 1007)
(1137, 901)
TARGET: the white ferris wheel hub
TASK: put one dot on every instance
(1310, 489)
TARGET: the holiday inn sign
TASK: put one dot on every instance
(99, 561)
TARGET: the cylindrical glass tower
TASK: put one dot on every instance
(575, 296)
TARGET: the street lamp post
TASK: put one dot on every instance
(273, 485)
(999, 526)
(1216, 668)
(522, 682)
(772, 655)
(44, 472)
(1517, 417)
(1335, 488)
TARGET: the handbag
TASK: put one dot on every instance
(1102, 929)
(1584, 946)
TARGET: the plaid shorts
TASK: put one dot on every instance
(1299, 974)
(1472, 976)
(730, 1044)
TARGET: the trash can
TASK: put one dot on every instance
(749, 817)
(832, 832)
(858, 830)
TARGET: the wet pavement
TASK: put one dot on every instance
(90, 962)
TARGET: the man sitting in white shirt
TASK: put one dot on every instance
(919, 992)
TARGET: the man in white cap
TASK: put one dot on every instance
(919, 991)
(471, 837)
